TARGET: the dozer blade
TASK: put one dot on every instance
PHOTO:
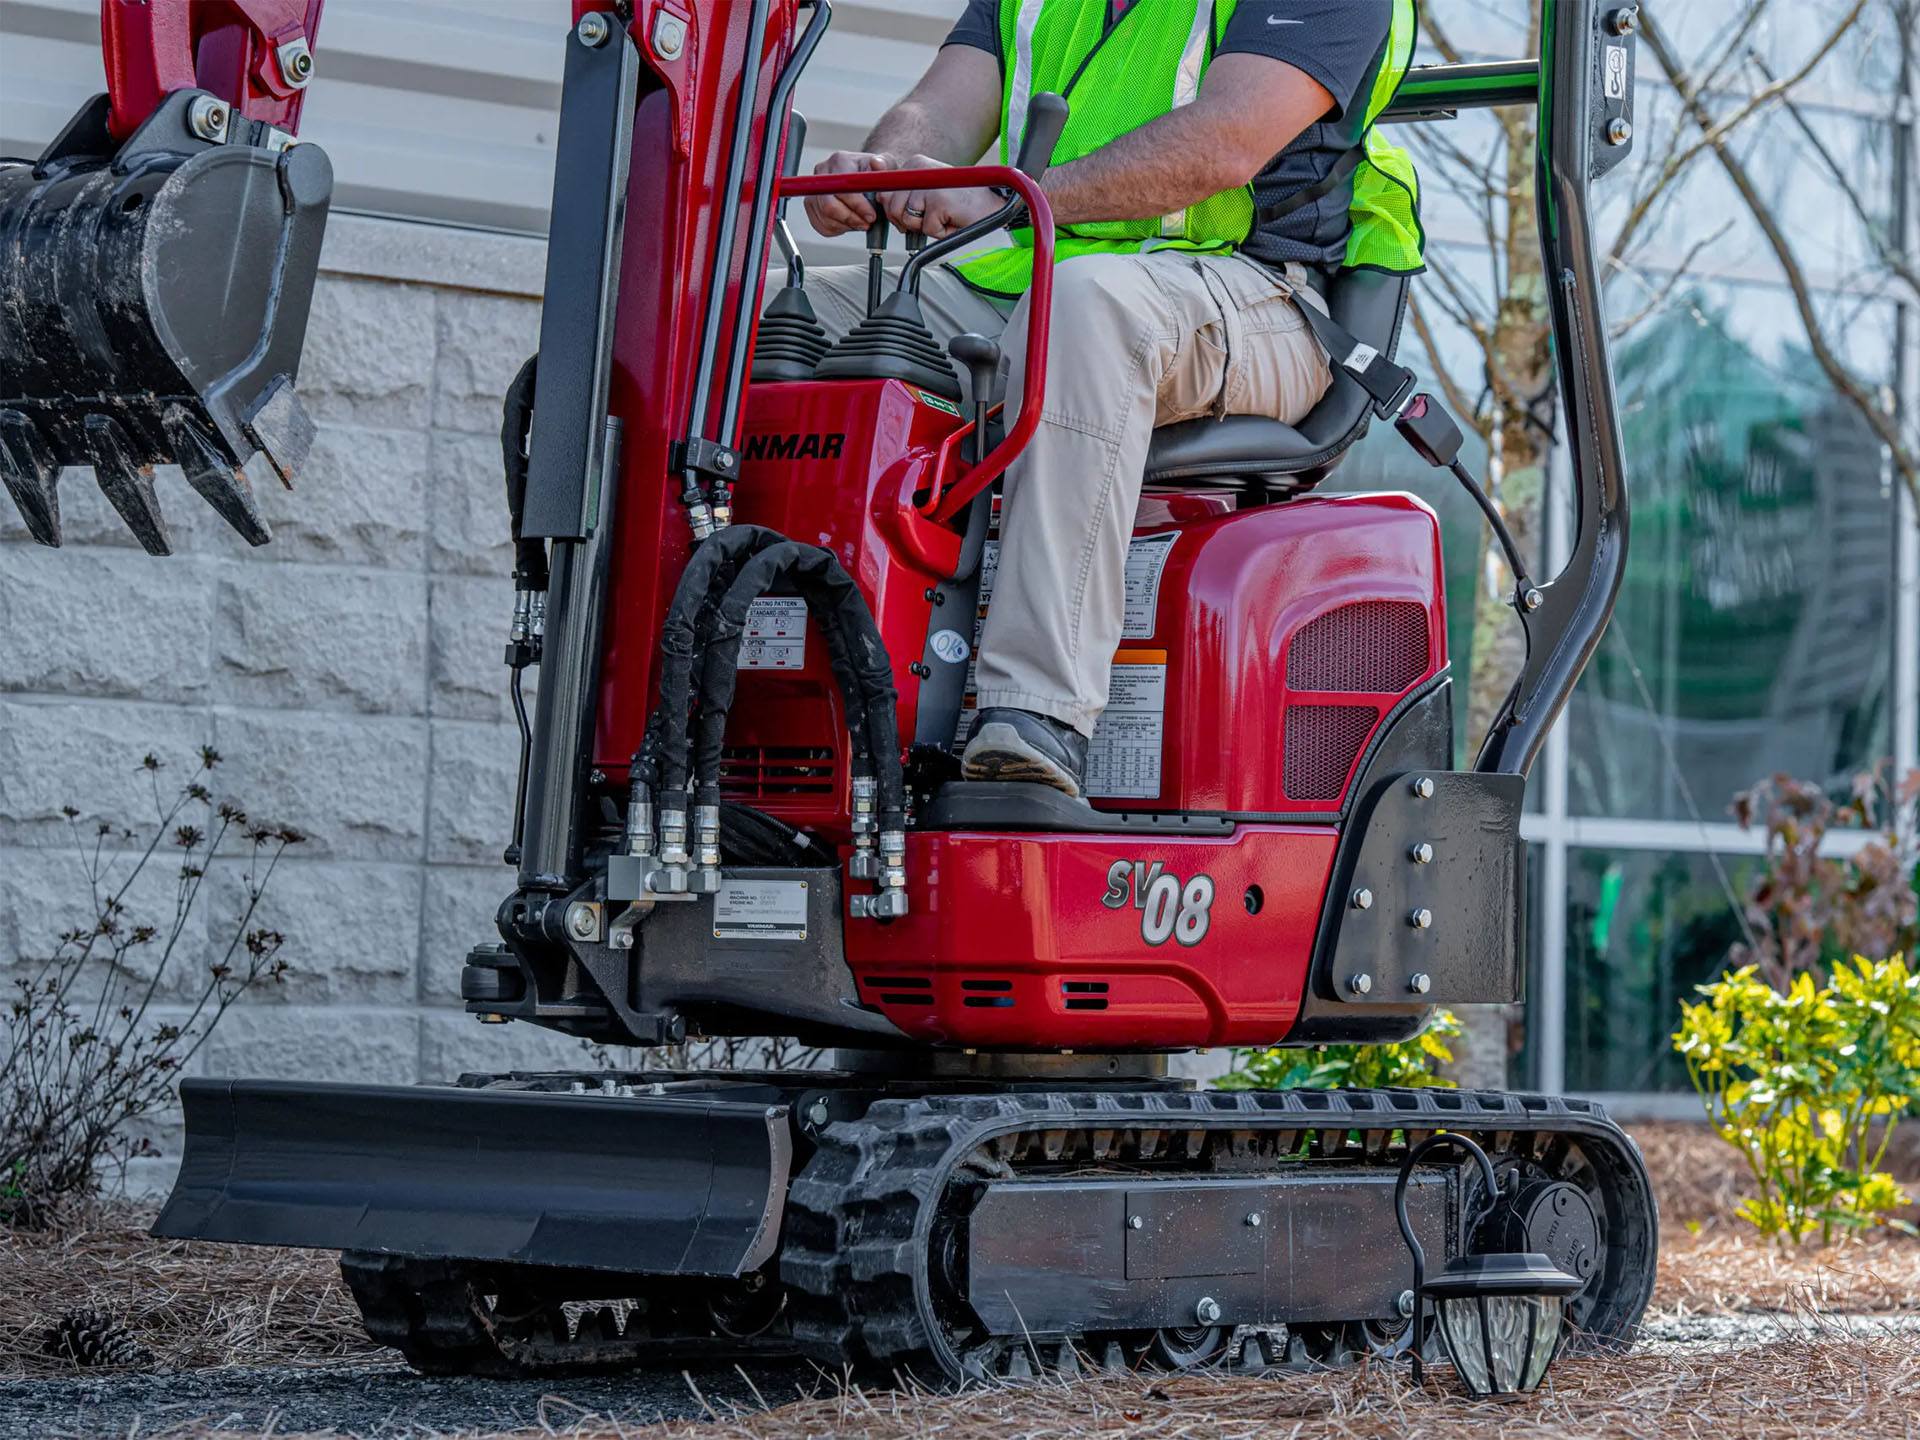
(153, 306)
(672, 1185)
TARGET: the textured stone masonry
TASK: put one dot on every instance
(349, 673)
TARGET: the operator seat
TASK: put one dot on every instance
(1267, 460)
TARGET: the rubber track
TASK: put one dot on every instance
(854, 1248)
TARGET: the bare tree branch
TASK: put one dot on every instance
(1658, 296)
(1901, 265)
(1884, 426)
(1449, 51)
(1457, 400)
(1714, 133)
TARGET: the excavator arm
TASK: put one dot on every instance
(157, 264)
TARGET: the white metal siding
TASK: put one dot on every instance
(445, 110)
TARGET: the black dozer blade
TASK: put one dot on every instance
(153, 305)
(667, 1185)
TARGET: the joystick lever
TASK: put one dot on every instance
(981, 356)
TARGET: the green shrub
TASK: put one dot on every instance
(1347, 1067)
(1808, 1084)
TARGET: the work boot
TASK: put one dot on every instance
(1018, 745)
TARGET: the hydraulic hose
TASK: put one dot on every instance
(663, 753)
(833, 601)
(516, 422)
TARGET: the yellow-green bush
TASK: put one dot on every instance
(1348, 1067)
(1808, 1084)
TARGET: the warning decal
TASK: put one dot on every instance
(776, 635)
(1123, 758)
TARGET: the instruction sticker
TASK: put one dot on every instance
(760, 910)
(1123, 758)
(1146, 563)
(776, 634)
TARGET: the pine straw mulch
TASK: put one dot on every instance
(1812, 1381)
(1711, 1263)
(198, 1306)
(194, 1306)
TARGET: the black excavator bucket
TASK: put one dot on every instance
(153, 305)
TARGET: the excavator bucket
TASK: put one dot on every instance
(153, 305)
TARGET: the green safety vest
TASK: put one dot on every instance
(1150, 62)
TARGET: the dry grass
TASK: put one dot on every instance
(194, 1306)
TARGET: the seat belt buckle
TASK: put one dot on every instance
(1424, 423)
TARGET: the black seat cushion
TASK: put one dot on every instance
(1368, 303)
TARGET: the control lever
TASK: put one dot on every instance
(782, 235)
(981, 356)
(1046, 119)
(910, 277)
(877, 234)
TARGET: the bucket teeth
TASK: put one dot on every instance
(221, 483)
(127, 484)
(31, 476)
(284, 432)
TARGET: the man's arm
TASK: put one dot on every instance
(950, 118)
(1249, 109)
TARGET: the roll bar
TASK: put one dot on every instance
(1585, 98)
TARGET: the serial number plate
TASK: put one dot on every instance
(760, 910)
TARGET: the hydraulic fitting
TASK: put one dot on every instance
(523, 639)
(705, 879)
(671, 877)
(865, 864)
(700, 518)
(891, 900)
(638, 839)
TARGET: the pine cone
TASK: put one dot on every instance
(93, 1338)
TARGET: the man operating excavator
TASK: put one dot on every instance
(1219, 162)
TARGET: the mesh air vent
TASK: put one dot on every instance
(1323, 741)
(760, 772)
(1374, 647)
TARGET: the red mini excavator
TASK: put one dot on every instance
(750, 569)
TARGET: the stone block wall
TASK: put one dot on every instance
(349, 674)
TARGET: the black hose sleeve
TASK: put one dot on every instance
(799, 565)
(680, 646)
(516, 424)
(754, 837)
(855, 649)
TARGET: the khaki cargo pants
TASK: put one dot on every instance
(1136, 341)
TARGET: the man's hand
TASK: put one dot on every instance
(837, 214)
(954, 112)
(936, 213)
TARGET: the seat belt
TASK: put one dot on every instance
(1342, 171)
(1423, 422)
(1390, 386)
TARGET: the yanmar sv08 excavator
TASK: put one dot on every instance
(750, 569)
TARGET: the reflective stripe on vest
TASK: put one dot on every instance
(1156, 62)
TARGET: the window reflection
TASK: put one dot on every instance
(1755, 624)
(1643, 928)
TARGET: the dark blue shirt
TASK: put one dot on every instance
(1340, 43)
